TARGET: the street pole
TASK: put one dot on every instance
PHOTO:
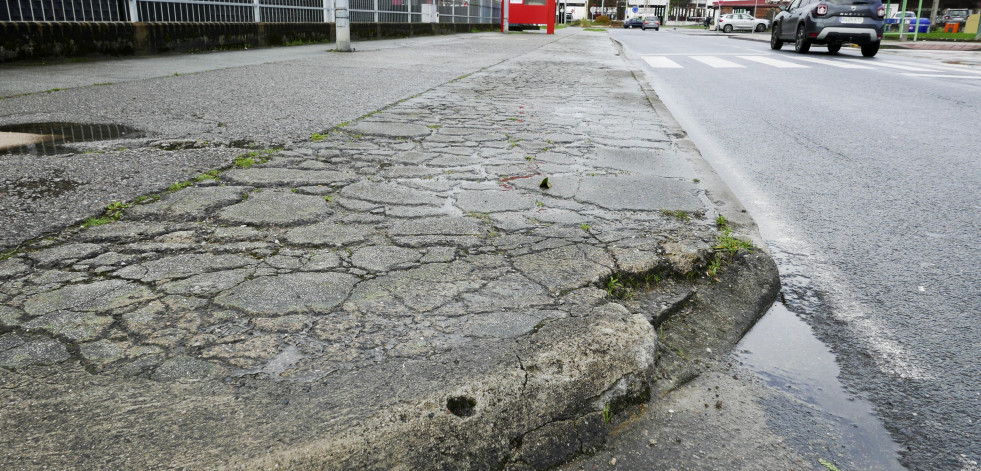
(504, 15)
(902, 22)
(916, 29)
(342, 23)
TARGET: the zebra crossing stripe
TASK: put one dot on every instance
(976, 77)
(716, 62)
(902, 67)
(774, 62)
(844, 64)
(661, 62)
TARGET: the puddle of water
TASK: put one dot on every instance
(783, 350)
(55, 135)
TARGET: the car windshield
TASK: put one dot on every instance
(957, 13)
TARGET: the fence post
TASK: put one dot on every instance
(134, 12)
(258, 16)
(376, 11)
(328, 12)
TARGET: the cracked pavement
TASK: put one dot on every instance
(404, 291)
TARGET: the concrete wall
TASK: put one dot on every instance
(28, 41)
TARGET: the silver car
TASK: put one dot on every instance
(744, 21)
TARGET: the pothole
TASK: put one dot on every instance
(50, 138)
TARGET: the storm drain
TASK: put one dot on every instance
(50, 138)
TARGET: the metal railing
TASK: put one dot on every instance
(250, 11)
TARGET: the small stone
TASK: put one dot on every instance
(613, 462)
(652, 442)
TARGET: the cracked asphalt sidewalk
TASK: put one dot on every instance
(405, 291)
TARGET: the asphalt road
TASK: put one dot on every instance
(862, 174)
(198, 111)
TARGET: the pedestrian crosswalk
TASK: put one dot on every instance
(796, 61)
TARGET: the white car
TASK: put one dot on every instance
(734, 21)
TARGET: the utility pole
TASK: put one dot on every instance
(919, 11)
(342, 23)
(504, 15)
(902, 22)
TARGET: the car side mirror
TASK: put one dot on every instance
(784, 7)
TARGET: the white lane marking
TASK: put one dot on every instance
(716, 62)
(661, 62)
(901, 67)
(977, 77)
(844, 64)
(774, 62)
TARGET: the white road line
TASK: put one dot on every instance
(661, 62)
(716, 62)
(844, 64)
(975, 77)
(774, 62)
(901, 67)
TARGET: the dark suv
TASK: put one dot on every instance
(954, 15)
(831, 23)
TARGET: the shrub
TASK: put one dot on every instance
(602, 20)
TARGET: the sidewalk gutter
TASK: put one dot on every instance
(494, 273)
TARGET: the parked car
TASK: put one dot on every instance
(953, 15)
(831, 23)
(651, 22)
(733, 21)
(899, 16)
(635, 22)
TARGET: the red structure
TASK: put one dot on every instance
(530, 12)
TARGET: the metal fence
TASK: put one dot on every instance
(251, 11)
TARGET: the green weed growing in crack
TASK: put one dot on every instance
(585, 227)
(607, 413)
(212, 175)
(483, 217)
(613, 285)
(715, 266)
(255, 157)
(433, 126)
(329, 198)
(729, 244)
(7, 254)
(177, 186)
(113, 212)
(680, 215)
(827, 464)
(317, 137)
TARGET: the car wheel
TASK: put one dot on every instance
(727, 28)
(760, 28)
(643, 28)
(869, 50)
(833, 48)
(775, 42)
(657, 29)
(801, 43)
